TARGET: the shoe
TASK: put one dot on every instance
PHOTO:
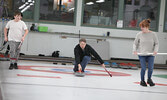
(150, 82)
(143, 83)
(15, 66)
(11, 66)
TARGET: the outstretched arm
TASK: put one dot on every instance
(103, 65)
(95, 54)
(77, 58)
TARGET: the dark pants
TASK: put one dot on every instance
(143, 60)
(84, 62)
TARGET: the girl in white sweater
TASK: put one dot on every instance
(145, 42)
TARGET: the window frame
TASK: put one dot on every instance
(120, 17)
(157, 21)
(96, 26)
(37, 15)
(165, 15)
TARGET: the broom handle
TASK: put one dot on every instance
(152, 53)
(108, 72)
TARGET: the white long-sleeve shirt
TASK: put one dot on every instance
(146, 43)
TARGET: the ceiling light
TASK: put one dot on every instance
(89, 3)
(100, 1)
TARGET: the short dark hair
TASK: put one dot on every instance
(17, 13)
(82, 40)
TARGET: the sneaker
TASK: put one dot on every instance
(143, 83)
(15, 66)
(150, 82)
(11, 66)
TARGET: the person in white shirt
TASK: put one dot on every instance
(146, 42)
(15, 37)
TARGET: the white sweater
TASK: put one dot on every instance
(146, 43)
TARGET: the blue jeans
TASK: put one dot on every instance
(143, 60)
(84, 62)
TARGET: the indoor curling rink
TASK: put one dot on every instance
(38, 80)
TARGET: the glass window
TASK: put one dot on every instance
(165, 28)
(100, 12)
(57, 10)
(8, 7)
(139, 10)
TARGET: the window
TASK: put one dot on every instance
(8, 7)
(57, 10)
(100, 12)
(165, 28)
(139, 10)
